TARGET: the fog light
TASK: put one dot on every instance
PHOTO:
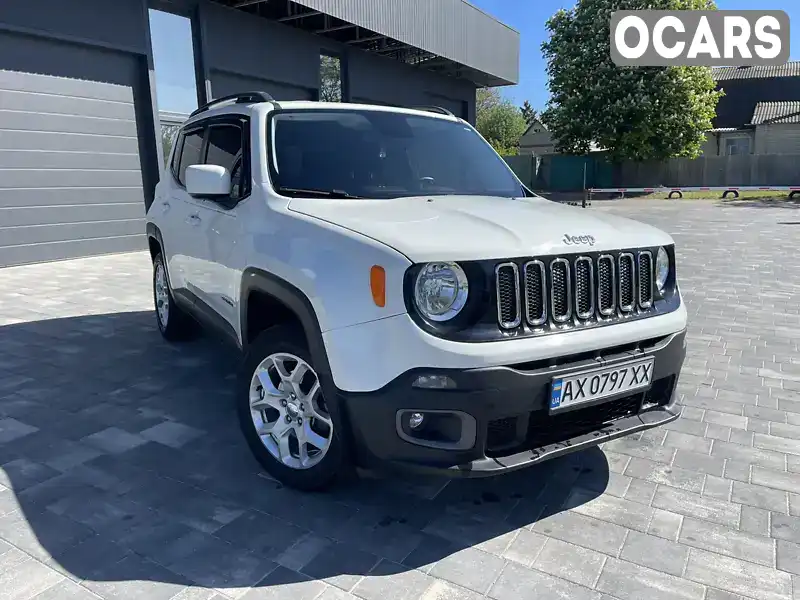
(434, 382)
(416, 420)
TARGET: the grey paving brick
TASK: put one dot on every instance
(627, 581)
(685, 441)
(785, 527)
(23, 473)
(303, 552)
(470, 568)
(11, 429)
(172, 434)
(718, 432)
(570, 562)
(694, 505)
(665, 524)
(740, 577)
(759, 496)
(727, 541)
(442, 590)
(776, 444)
(284, 583)
(765, 414)
(647, 449)
(640, 491)
(114, 440)
(739, 436)
(778, 480)
(762, 457)
(684, 425)
(655, 553)
(755, 521)
(700, 463)
(581, 530)
(717, 487)
(391, 580)
(525, 547)
(788, 557)
(69, 590)
(24, 577)
(614, 510)
(758, 426)
(737, 471)
(668, 475)
(725, 419)
(519, 583)
(23, 529)
(616, 462)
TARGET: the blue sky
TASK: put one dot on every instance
(172, 47)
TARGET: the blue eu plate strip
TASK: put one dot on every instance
(555, 398)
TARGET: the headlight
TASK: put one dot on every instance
(440, 291)
(662, 269)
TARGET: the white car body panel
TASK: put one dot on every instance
(435, 228)
(351, 348)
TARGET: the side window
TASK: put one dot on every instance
(176, 156)
(190, 155)
(225, 148)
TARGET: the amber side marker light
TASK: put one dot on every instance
(377, 283)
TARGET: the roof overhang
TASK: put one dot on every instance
(450, 37)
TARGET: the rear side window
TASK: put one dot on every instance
(190, 155)
(225, 149)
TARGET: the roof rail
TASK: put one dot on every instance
(436, 109)
(240, 98)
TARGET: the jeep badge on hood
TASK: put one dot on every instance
(571, 240)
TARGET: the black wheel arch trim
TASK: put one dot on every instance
(292, 298)
(297, 302)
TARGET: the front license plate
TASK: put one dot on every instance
(596, 384)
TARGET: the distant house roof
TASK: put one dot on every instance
(790, 69)
(776, 112)
(536, 124)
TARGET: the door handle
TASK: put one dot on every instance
(164, 207)
(194, 219)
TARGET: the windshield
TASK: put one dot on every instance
(374, 154)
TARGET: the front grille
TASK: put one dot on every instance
(540, 428)
(571, 289)
(545, 429)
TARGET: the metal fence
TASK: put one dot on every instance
(562, 173)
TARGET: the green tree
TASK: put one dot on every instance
(330, 74)
(499, 121)
(528, 112)
(636, 113)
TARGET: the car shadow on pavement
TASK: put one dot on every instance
(121, 464)
(760, 203)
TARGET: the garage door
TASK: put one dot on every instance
(70, 176)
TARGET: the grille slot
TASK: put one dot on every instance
(606, 290)
(627, 297)
(584, 287)
(535, 293)
(508, 301)
(560, 290)
(645, 279)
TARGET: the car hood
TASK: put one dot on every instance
(457, 228)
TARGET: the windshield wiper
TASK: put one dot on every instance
(319, 193)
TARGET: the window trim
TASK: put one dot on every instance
(243, 122)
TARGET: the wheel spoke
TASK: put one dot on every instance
(284, 448)
(312, 437)
(299, 372)
(280, 367)
(266, 383)
(313, 401)
(303, 453)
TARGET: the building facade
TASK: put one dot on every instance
(81, 142)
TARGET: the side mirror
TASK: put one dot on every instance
(210, 181)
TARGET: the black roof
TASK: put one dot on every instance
(745, 87)
(790, 69)
(776, 112)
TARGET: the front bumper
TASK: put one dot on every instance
(503, 413)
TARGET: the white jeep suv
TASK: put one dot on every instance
(401, 298)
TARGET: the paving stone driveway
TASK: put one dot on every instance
(124, 475)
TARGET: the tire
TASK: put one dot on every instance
(322, 468)
(173, 323)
